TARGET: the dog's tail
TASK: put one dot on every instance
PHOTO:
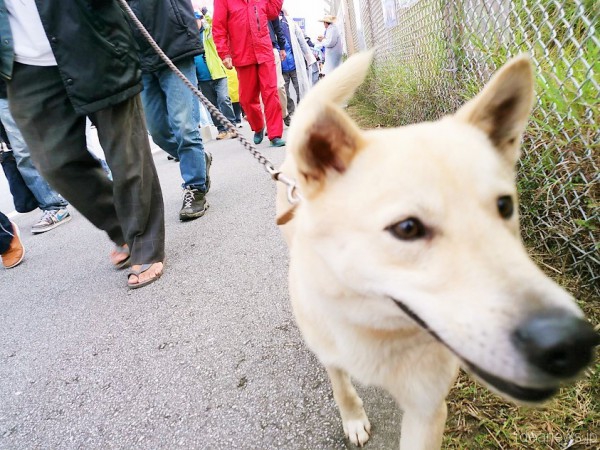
(338, 86)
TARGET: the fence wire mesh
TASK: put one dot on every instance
(432, 55)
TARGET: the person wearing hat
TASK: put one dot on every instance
(332, 43)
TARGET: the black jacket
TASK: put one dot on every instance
(277, 35)
(172, 24)
(94, 49)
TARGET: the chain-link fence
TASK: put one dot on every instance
(432, 55)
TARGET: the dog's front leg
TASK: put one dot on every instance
(354, 419)
(423, 430)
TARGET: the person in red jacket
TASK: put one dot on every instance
(241, 35)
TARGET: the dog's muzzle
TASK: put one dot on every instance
(554, 341)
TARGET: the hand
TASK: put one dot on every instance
(320, 38)
(282, 54)
(227, 63)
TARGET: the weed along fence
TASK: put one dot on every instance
(432, 55)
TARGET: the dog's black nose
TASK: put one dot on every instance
(556, 342)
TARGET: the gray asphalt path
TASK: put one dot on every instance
(209, 357)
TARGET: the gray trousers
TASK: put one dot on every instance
(130, 209)
(293, 76)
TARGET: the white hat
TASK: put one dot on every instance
(327, 19)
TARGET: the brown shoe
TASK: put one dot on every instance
(16, 252)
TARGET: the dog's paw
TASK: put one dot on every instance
(358, 430)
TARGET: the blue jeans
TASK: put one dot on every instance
(48, 199)
(217, 93)
(173, 114)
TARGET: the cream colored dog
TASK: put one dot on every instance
(406, 261)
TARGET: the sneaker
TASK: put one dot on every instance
(194, 204)
(208, 160)
(51, 219)
(16, 252)
(287, 120)
(222, 135)
(277, 142)
(259, 136)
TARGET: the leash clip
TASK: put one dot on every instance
(293, 196)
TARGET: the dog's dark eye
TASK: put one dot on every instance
(408, 230)
(505, 206)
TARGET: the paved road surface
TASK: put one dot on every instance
(208, 357)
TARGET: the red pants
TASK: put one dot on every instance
(260, 80)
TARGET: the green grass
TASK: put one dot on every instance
(478, 419)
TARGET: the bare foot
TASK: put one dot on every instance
(139, 277)
(120, 256)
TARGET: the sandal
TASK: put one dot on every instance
(143, 268)
(119, 250)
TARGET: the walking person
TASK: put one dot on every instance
(278, 41)
(240, 32)
(23, 200)
(331, 41)
(172, 110)
(212, 77)
(68, 61)
(233, 87)
(53, 206)
(298, 57)
(11, 247)
(314, 71)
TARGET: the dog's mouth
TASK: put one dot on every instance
(513, 390)
(525, 394)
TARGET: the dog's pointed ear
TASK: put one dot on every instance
(502, 108)
(327, 146)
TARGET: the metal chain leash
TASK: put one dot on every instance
(292, 194)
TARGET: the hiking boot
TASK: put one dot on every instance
(16, 252)
(259, 136)
(222, 135)
(51, 219)
(208, 160)
(287, 120)
(277, 142)
(194, 204)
